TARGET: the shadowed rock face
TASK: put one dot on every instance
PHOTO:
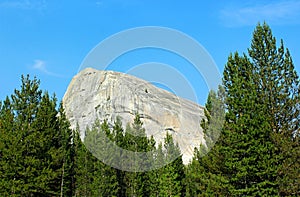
(94, 94)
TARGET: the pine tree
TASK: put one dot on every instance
(45, 147)
(83, 167)
(155, 174)
(31, 138)
(262, 118)
(171, 176)
(278, 88)
(249, 151)
(119, 140)
(277, 80)
(67, 181)
(204, 173)
(256, 153)
(9, 152)
(137, 183)
(30, 169)
(104, 177)
(25, 106)
(214, 118)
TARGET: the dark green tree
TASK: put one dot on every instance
(250, 157)
(155, 175)
(32, 153)
(9, 152)
(256, 154)
(278, 88)
(171, 176)
(204, 173)
(66, 136)
(138, 182)
(119, 139)
(104, 177)
(84, 167)
(262, 119)
(44, 145)
(26, 172)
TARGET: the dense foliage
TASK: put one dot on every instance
(36, 154)
(41, 156)
(251, 129)
(258, 151)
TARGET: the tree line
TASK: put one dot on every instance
(41, 156)
(251, 129)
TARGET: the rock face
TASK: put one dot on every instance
(94, 94)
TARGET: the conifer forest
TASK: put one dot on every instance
(256, 153)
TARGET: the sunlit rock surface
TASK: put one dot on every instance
(94, 94)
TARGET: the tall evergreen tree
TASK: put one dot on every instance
(262, 118)
(257, 153)
(204, 173)
(104, 178)
(25, 104)
(137, 183)
(278, 88)
(118, 133)
(83, 167)
(171, 176)
(66, 136)
(48, 153)
(32, 154)
(9, 152)
(157, 172)
(249, 151)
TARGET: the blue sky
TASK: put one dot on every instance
(50, 39)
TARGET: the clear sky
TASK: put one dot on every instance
(50, 39)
